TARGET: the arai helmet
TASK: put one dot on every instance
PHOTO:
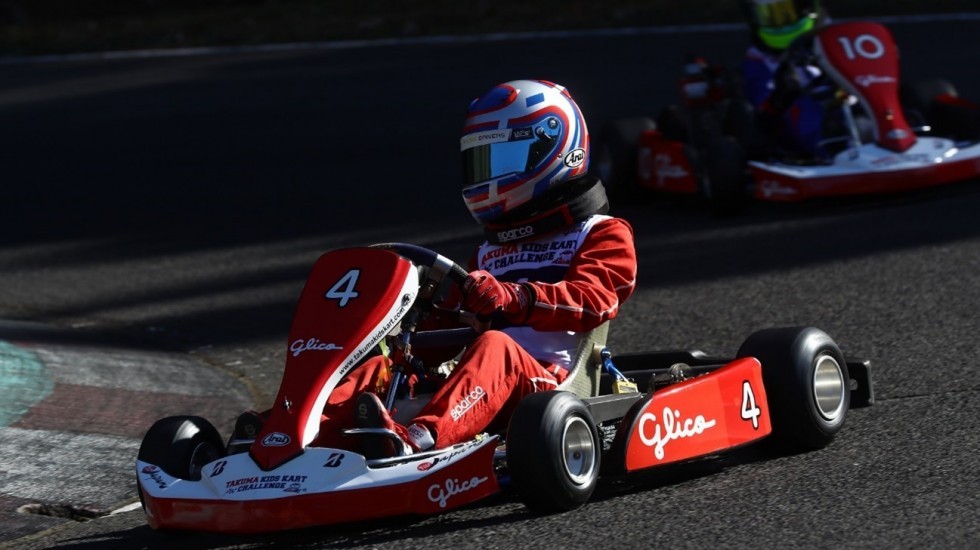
(520, 140)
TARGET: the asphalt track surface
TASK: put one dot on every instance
(164, 212)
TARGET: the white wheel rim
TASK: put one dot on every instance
(578, 451)
(829, 387)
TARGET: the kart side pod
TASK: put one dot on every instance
(700, 416)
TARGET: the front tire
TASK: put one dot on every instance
(807, 385)
(553, 452)
(181, 446)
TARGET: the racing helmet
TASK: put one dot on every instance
(777, 23)
(521, 141)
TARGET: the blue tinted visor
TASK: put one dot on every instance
(490, 154)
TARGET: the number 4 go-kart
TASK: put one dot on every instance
(614, 415)
(881, 135)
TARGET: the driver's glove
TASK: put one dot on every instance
(484, 295)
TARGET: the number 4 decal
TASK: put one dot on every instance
(750, 411)
(343, 289)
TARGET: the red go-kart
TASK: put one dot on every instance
(882, 135)
(614, 415)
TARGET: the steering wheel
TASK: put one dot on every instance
(799, 56)
(438, 267)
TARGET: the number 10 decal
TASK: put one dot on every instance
(343, 289)
(750, 411)
(867, 46)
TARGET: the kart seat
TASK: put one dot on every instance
(586, 370)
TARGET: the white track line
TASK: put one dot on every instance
(127, 508)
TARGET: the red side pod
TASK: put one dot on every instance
(701, 416)
(864, 59)
(663, 164)
(349, 298)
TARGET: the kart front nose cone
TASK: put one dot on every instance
(578, 448)
(829, 387)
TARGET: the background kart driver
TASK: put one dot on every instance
(773, 81)
(554, 267)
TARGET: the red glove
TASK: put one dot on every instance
(483, 294)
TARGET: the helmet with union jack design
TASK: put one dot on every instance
(522, 140)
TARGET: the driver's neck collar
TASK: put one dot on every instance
(584, 200)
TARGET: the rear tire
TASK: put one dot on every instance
(807, 385)
(673, 124)
(614, 157)
(553, 452)
(724, 183)
(740, 124)
(919, 99)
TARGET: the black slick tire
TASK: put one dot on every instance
(807, 385)
(553, 452)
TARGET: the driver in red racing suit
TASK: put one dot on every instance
(554, 266)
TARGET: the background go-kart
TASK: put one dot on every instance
(159, 215)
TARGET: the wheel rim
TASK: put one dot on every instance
(202, 455)
(578, 448)
(829, 387)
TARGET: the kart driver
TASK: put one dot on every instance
(554, 266)
(773, 84)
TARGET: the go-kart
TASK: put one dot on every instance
(612, 416)
(880, 135)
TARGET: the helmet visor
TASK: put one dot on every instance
(490, 154)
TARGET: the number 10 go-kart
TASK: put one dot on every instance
(881, 135)
(614, 415)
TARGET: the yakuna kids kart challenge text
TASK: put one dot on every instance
(790, 387)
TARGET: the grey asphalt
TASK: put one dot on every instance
(172, 207)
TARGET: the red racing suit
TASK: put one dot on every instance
(578, 276)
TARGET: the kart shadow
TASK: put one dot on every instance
(502, 508)
(613, 487)
(499, 510)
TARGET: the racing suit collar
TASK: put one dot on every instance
(587, 196)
